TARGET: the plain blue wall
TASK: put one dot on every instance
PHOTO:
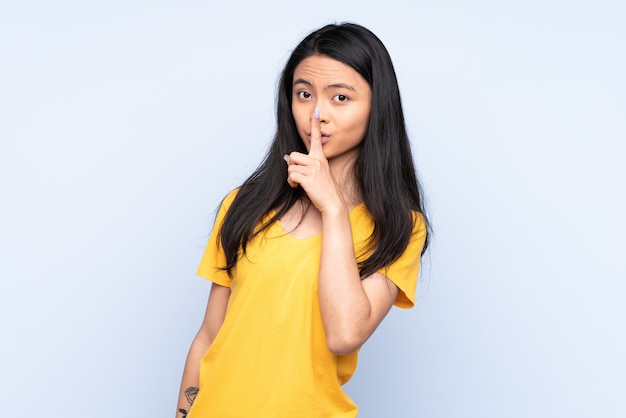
(123, 123)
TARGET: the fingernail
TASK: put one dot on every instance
(317, 113)
(286, 157)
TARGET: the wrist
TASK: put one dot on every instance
(335, 210)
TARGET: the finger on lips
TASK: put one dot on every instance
(316, 134)
(296, 159)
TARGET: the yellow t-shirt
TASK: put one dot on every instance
(270, 358)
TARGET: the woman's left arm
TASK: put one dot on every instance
(351, 307)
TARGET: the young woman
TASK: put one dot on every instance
(310, 253)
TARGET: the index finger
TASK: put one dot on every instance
(316, 135)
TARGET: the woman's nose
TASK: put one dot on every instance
(321, 113)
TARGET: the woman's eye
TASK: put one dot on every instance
(341, 98)
(304, 95)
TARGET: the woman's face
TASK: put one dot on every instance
(344, 100)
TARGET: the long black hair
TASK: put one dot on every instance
(384, 168)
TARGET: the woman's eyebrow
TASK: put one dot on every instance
(302, 81)
(339, 86)
(328, 87)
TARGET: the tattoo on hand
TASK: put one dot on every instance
(190, 394)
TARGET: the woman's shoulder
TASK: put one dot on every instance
(227, 201)
(225, 204)
(419, 220)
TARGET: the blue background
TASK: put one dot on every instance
(123, 124)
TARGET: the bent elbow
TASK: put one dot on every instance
(343, 345)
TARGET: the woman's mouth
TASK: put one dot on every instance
(324, 138)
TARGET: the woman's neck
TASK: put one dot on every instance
(342, 170)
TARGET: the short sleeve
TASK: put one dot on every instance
(404, 271)
(213, 261)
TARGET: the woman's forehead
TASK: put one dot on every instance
(323, 71)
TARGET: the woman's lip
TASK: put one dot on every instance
(324, 138)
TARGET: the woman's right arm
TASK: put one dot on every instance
(213, 319)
